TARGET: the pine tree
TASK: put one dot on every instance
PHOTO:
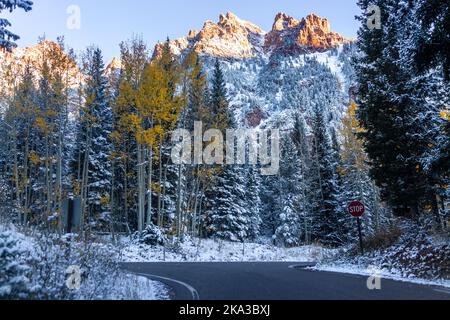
(14, 283)
(426, 58)
(385, 110)
(92, 156)
(302, 143)
(327, 226)
(269, 200)
(225, 213)
(433, 49)
(219, 105)
(252, 202)
(401, 120)
(288, 231)
(7, 38)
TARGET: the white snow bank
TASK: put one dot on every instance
(382, 273)
(43, 262)
(132, 287)
(206, 250)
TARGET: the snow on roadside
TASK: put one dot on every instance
(416, 257)
(373, 271)
(43, 261)
(208, 250)
(132, 287)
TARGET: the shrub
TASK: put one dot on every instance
(14, 282)
(152, 236)
(383, 239)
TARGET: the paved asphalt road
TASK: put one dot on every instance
(274, 281)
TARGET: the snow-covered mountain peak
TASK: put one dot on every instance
(115, 64)
(13, 63)
(234, 24)
(230, 37)
(234, 38)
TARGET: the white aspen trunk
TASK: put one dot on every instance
(140, 188)
(163, 207)
(179, 191)
(85, 180)
(16, 176)
(59, 183)
(159, 189)
(149, 186)
(26, 178)
(47, 178)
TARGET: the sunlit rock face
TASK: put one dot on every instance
(231, 37)
(290, 36)
(12, 64)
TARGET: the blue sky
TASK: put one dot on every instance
(107, 22)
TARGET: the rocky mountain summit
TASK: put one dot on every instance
(308, 35)
(235, 38)
(12, 64)
(231, 37)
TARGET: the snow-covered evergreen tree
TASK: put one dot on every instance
(92, 157)
(301, 140)
(400, 102)
(327, 222)
(252, 203)
(14, 283)
(227, 215)
(7, 38)
(289, 196)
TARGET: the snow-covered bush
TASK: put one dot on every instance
(14, 282)
(152, 236)
(55, 256)
(406, 250)
(40, 266)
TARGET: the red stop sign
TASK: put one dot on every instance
(356, 209)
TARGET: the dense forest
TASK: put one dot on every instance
(105, 138)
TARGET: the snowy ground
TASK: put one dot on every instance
(194, 250)
(42, 264)
(381, 273)
(132, 287)
(416, 256)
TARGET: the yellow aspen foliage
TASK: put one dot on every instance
(34, 158)
(353, 147)
(42, 125)
(445, 114)
(105, 200)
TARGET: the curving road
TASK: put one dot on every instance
(274, 281)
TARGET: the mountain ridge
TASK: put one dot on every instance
(232, 37)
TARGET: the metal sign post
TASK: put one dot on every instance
(357, 210)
